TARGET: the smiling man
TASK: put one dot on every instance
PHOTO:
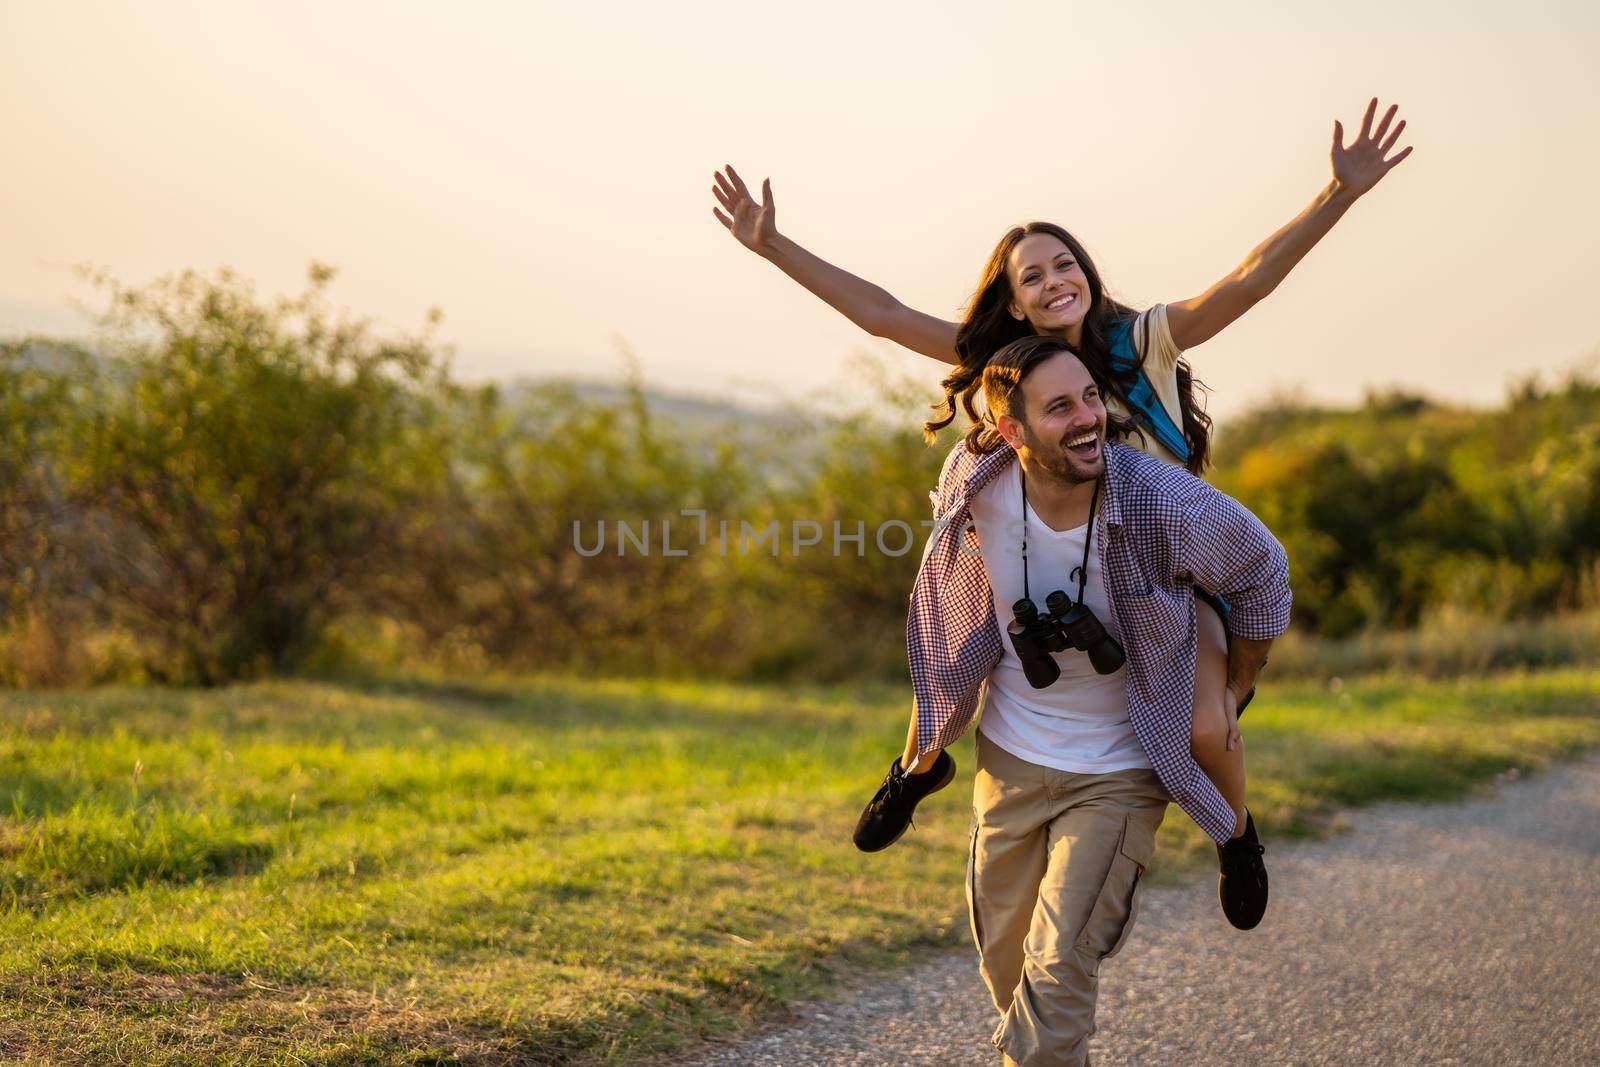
(1078, 754)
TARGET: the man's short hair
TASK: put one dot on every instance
(1010, 367)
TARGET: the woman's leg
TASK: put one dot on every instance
(1208, 737)
(927, 761)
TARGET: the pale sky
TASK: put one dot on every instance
(541, 172)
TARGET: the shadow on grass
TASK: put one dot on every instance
(476, 695)
(408, 712)
(52, 859)
(607, 704)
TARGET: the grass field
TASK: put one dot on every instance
(551, 871)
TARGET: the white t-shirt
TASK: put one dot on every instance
(1081, 722)
(1152, 339)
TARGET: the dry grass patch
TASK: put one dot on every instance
(128, 1016)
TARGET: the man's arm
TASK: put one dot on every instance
(1227, 550)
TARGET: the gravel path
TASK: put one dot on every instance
(1464, 933)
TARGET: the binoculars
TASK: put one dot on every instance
(1064, 625)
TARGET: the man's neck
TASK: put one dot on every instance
(1059, 504)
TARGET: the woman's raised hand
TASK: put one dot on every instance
(754, 224)
(869, 306)
(1360, 166)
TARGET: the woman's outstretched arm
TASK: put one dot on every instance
(869, 306)
(1356, 170)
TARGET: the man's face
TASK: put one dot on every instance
(1064, 424)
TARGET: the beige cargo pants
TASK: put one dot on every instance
(1052, 877)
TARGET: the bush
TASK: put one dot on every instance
(235, 464)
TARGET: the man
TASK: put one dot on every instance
(1074, 772)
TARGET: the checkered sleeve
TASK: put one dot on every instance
(952, 643)
(1227, 550)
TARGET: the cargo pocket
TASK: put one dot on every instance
(1117, 906)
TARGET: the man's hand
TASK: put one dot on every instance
(1245, 660)
(1230, 704)
(754, 224)
(1359, 167)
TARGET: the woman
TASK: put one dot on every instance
(1039, 279)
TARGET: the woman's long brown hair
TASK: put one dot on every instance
(988, 326)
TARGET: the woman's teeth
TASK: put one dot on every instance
(1060, 302)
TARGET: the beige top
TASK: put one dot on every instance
(1152, 339)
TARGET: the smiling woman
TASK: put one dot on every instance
(1040, 280)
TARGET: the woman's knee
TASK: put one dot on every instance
(1209, 731)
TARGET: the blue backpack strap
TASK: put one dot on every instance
(1134, 385)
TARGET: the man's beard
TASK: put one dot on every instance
(1062, 465)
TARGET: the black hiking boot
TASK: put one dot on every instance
(1242, 886)
(887, 817)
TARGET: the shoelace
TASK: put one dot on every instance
(895, 784)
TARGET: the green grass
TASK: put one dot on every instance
(551, 871)
(1447, 644)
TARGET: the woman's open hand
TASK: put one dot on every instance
(1362, 165)
(754, 224)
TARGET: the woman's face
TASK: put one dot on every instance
(1048, 286)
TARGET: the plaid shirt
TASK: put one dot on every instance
(1160, 531)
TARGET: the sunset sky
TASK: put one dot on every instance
(541, 172)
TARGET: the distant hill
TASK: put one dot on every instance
(49, 355)
(687, 408)
(781, 442)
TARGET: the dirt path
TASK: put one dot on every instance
(1464, 933)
